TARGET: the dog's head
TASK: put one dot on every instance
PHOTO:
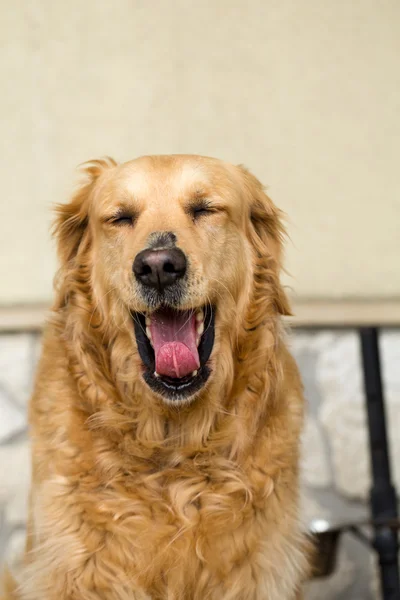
(183, 251)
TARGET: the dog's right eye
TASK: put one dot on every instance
(122, 219)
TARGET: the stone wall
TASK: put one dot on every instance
(335, 470)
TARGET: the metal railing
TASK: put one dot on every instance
(384, 520)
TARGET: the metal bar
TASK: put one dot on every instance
(382, 494)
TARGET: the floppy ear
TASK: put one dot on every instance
(266, 235)
(72, 218)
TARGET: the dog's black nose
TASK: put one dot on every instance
(159, 268)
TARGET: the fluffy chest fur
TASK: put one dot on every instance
(198, 520)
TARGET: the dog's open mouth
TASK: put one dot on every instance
(175, 346)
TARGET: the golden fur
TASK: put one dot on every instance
(133, 498)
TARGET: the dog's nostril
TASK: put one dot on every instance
(169, 268)
(146, 270)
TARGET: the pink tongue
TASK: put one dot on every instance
(173, 335)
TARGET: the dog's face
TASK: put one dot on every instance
(173, 239)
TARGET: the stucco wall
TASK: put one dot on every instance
(307, 94)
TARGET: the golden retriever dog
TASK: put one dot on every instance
(167, 410)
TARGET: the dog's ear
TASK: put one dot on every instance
(266, 234)
(72, 218)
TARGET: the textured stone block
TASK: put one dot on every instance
(315, 466)
(14, 480)
(12, 417)
(16, 365)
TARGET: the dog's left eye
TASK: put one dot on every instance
(200, 210)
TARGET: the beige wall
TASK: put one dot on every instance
(306, 93)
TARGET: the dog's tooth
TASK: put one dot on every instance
(156, 374)
(200, 328)
(200, 315)
(194, 373)
(148, 321)
(148, 333)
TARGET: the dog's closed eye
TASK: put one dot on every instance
(122, 218)
(201, 209)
